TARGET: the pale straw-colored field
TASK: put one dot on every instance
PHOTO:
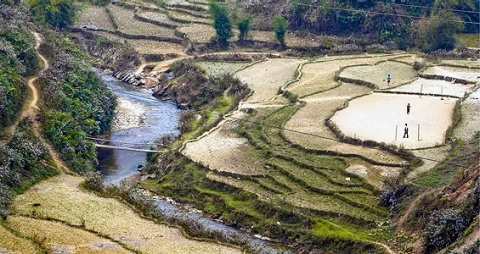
(62, 199)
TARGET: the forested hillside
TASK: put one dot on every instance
(429, 25)
(74, 103)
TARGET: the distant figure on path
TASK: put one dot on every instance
(405, 131)
(388, 79)
(408, 108)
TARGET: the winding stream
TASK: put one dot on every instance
(161, 118)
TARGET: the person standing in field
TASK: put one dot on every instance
(408, 109)
(388, 79)
(405, 131)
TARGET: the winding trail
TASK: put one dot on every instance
(33, 105)
(31, 85)
(409, 209)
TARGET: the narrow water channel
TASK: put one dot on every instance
(161, 118)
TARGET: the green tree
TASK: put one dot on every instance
(221, 22)
(280, 26)
(57, 13)
(244, 27)
(438, 32)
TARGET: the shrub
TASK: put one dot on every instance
(280, 26)
(94, 182)
(443, 228)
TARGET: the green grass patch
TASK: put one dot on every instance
(310, 177)
(271, 184)
(233, 203)
(330, 229)
(472, 40)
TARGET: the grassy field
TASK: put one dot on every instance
(56, 236)
(61, 199)
(10, 242)
(472, 40)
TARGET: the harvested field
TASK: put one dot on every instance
(381, 117)
(438, 87)
(127, 24)
(185, 18)
(400, 73)
(60, 237)
(472, 75)
(408, 59)
(466, 63)
(470, 117)
(147, 46)
(310, 121)
(319, 75)
(436, 153)
(11, 243)
(157, 16)
(262, 36)
(198, 32)
(94, 17)
(267, 77)
(220, 68)
(372, 174)
(62, 199)
(222, 150)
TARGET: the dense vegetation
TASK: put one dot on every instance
(18, 60)
(192, 89)
(428, 25)
(75, 103)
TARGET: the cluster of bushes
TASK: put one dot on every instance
(17, 60)
(108, 54)
(192, 89)
(75, 103)
(24, 160)
(447, 213)
(409, 26)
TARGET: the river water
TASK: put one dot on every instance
(161, 118)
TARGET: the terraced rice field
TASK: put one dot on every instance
(318, 76)
(147, 46)
(215, 69)
(299, 170)
(60, 198)
(470, 74)
(198, 32)
(96, 17)
(11, 243)
(400, 73)
(158, 16)
(126, 22)
(186, 18)
(61, 238)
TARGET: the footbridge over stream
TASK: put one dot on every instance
(97, 144)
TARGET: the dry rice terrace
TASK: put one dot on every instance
(164, 32)
(58, 216)
(308, 167)
(291, 154)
